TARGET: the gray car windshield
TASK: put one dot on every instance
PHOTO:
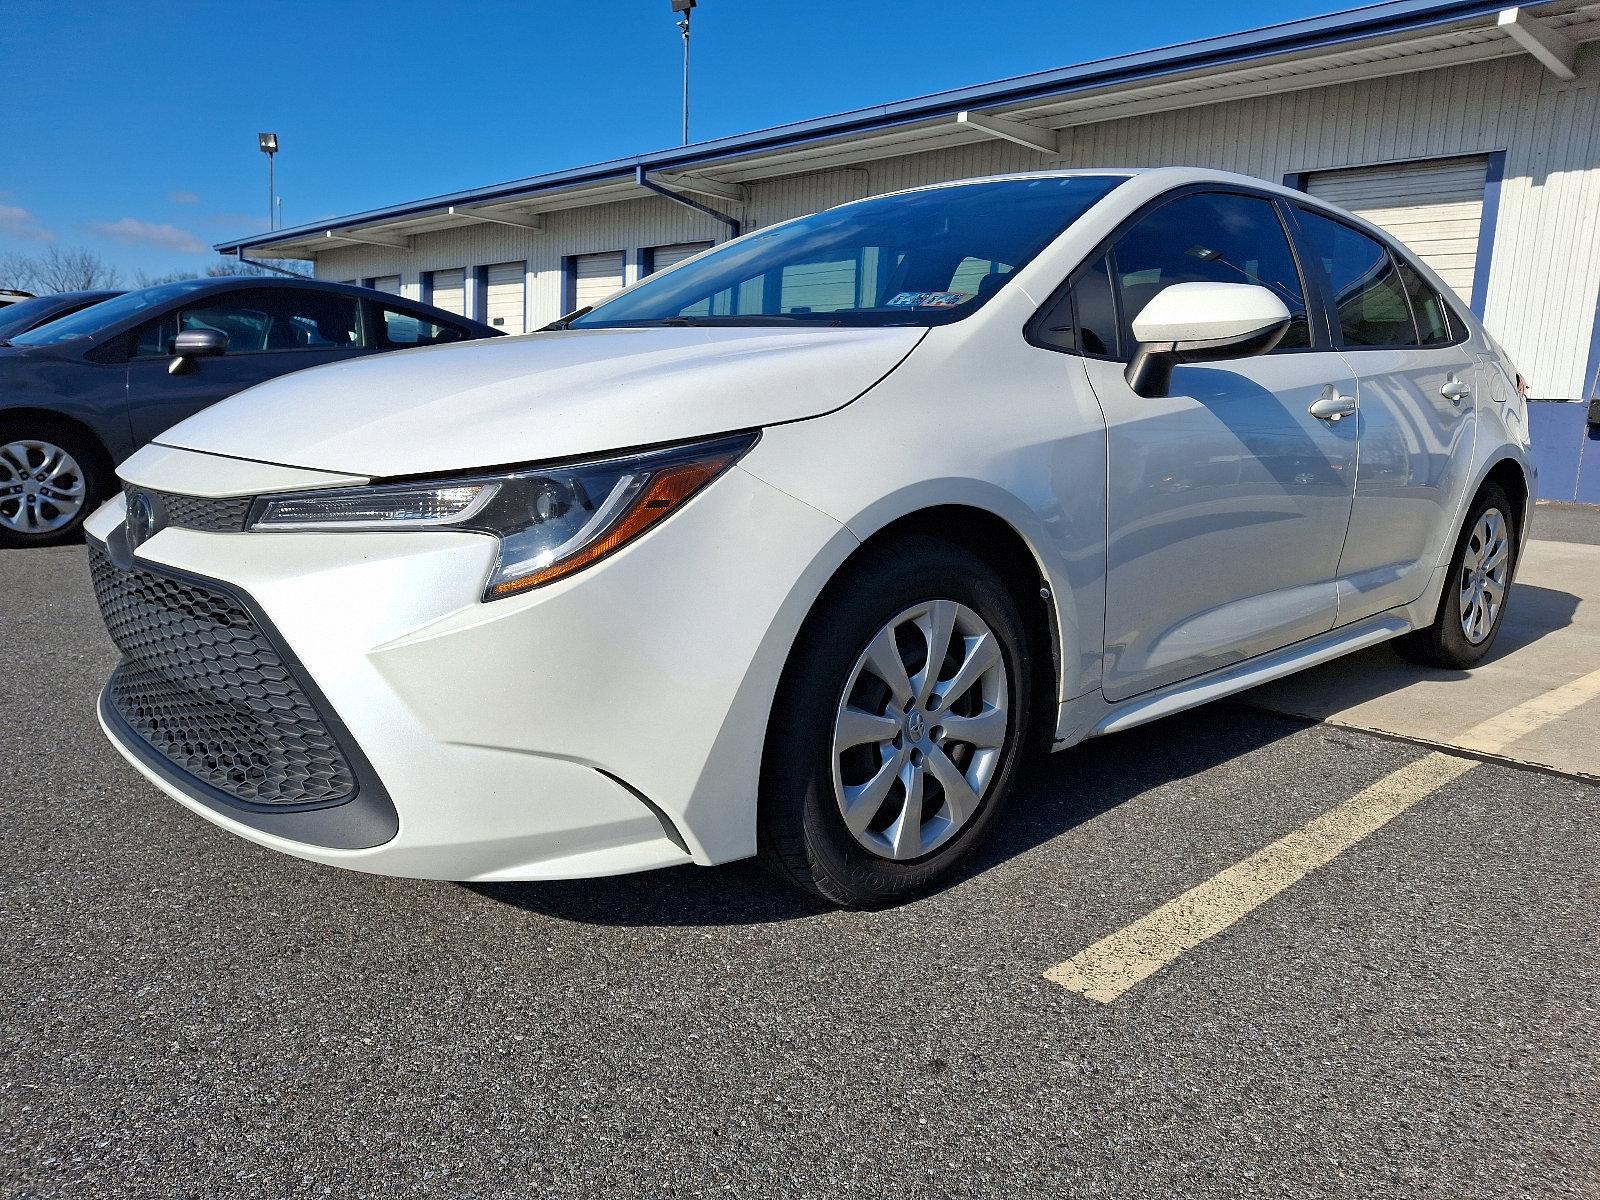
(918, 258)
(90, 321)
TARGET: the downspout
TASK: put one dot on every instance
(643, 180)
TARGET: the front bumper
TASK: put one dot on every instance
(606, 723)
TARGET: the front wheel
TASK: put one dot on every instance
(896, 731)
(49, 483)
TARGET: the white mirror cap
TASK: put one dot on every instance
(1207, 312)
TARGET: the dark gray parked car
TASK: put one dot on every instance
(41, 310)
(80, 394)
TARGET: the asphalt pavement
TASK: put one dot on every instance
(191, 1015)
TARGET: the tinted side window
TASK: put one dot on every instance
(254, 321)
(1368, 292)
(1426, 306)
(402, 328)
(1210, 239)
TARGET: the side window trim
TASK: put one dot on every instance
(1320, 331)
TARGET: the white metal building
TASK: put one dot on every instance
(1470, 130)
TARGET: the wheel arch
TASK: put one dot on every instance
(971, 518)
(1512, 478)
(53, 419)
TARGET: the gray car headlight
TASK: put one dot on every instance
(550, 521)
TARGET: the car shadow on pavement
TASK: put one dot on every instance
(1340, 685)
(1054, 793)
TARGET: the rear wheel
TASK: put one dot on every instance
(50, 481)
(895, 735)
(1475, 594)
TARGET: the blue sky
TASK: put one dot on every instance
(130, 127)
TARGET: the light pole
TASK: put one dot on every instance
(683, 8)
(269, 146)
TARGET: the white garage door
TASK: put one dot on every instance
(503, 303)
(1434, 208)
(448, 290)
(662, 257)
(594, 277)
(386, 283)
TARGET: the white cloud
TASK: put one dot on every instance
(20, 223)
(183, 197)
(134, 232)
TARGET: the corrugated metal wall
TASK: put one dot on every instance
(1545, 274)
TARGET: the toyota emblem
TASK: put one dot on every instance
(141, 518)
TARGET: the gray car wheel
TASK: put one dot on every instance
(49, 483)
(1476, 592)
(898, 726)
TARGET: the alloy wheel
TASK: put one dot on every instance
(42, 487)
(920, 730)
(1485, 568)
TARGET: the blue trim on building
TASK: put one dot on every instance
(1296, 180)
(569, 281)
(1589, 387)
(1378, 20)
(1493, 176)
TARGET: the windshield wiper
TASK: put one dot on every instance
(566, 321)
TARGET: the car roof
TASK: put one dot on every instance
(227, 283)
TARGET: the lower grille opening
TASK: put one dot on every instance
(203, 685)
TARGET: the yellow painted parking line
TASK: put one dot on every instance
(1117, 962)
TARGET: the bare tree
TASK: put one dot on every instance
(59, 270)
(232, 266)
(220, 269)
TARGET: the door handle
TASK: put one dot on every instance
(1456, 390)
(1331, 406)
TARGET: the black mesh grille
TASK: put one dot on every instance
(199, 512)
(202, 684)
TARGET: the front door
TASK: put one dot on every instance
(1227, 500)
(271, 332)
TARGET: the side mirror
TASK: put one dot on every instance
(195, 343)
(1202, 322)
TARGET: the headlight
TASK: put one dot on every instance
(550, 521)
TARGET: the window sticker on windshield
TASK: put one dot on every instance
(929, 299)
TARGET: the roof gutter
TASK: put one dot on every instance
(1377, 20)
(642, 178)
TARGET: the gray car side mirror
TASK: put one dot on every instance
(195, 343)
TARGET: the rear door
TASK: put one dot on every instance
(1414, 381)
(271, 332)
(504, 297)
(1227, 500)
(595, 277)
(448, 290)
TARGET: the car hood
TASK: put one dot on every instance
(543, 396)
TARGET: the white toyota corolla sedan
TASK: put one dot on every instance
(793, 549)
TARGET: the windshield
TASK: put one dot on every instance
(918, 258)
(22, 314)
(90, 321)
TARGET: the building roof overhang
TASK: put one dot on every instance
(1038, 110)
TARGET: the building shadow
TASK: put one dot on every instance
(1055, 793)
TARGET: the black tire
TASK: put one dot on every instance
(93, 469)
(803, 836)
(1445, 643)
